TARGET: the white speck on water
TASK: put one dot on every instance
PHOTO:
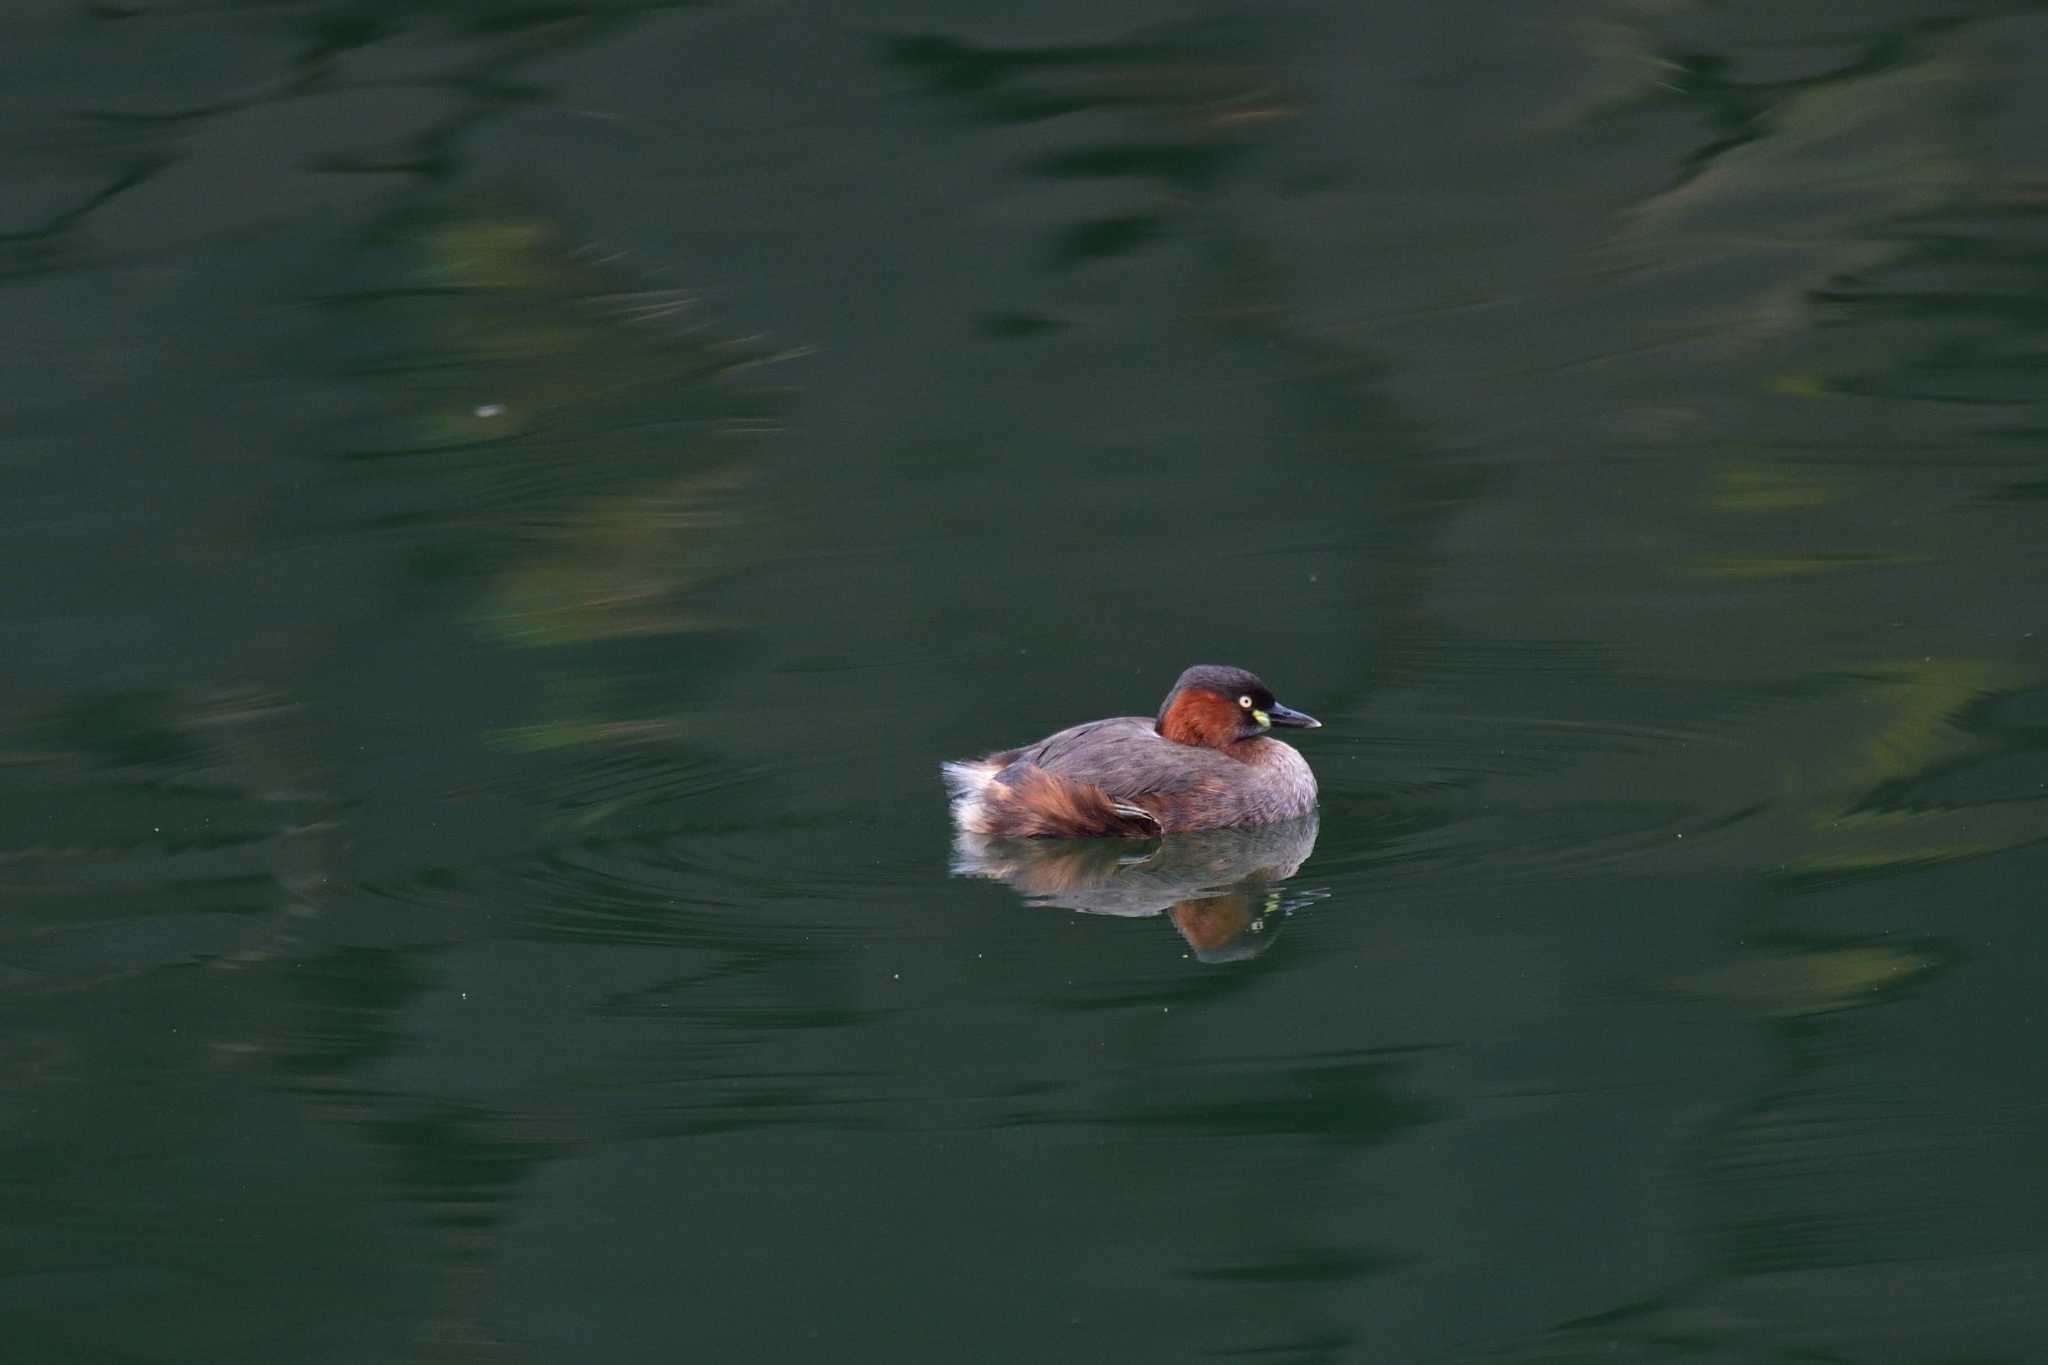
(488, 410)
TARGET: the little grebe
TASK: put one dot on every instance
(1204, 763)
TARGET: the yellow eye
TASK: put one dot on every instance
(1245, 702)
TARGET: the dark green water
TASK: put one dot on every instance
(505, 506)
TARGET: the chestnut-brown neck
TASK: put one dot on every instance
(1198, 716)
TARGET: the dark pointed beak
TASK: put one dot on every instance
(1287, 715)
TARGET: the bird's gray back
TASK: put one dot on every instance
(1126, 757)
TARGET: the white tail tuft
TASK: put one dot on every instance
(968, 779)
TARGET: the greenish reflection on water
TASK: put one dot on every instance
(507, 505)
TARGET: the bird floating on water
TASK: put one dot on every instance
(1206, 761)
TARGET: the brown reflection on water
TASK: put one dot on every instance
(1219, 887)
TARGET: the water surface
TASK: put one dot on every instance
(507, 506)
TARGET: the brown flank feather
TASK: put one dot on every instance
(1024, 801)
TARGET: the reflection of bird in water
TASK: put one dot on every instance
(1221, 887)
